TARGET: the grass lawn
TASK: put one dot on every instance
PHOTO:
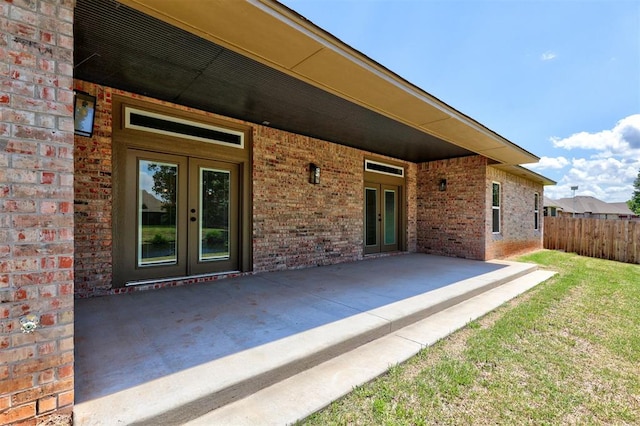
(166, 232)
(566, 352)
(161, 232)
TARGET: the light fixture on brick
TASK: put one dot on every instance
(83, 113)
(314, 173)
(443, 185)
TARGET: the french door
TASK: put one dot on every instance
(182, 216)
(381, 218)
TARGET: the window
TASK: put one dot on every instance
(173, 126)
(387, 169)
(536, 211)
(496, 208)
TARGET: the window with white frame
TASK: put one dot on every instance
(536, 211)
(495, 227)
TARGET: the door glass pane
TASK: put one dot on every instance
(389, 217)
(157, 208)
(214, 214)
(371, 217)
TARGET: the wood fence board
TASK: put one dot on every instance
(602, 238)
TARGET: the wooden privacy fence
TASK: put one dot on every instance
(602, 238)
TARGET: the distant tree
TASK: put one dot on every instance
(634, 202)
(164, 187)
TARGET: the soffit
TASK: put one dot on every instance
(525, 173)
(421, 128)
(318, 58)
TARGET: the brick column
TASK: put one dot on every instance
(36, 208)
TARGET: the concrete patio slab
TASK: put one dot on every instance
(303, 394)
(172, 355)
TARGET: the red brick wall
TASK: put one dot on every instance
(517, 234)
(298, 224)
(92, 194)
(411, 174)
(457, 222)
(36, 208)
(452, 222)
(295, 224)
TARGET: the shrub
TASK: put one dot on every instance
(216, 236)
(159, 239)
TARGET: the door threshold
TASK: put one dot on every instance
(193, 278)
(385, 254)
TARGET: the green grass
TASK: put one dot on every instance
(166, 233)
(566, 352)
(159, 232)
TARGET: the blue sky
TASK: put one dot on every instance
(559, 78)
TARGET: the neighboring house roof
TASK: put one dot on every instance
(262, 62)
(587, 204)
(621, 208)
(151, 204)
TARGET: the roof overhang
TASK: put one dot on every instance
(525, 173)
(279, 39)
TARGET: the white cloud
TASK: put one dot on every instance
(610, 180)
(548, 56)
(608, 173)
(623, 137)
(549, 163)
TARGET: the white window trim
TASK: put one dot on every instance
(128, 125)
(536, 211)
(498, 208)
(399, 168)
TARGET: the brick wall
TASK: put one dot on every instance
(411, 176)
(298, 224)
(295, 224)
(92, 197)
(517, 234)
(452, 222)
(36, 209)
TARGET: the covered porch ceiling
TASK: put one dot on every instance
(259, 61)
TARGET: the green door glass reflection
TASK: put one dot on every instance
(371, 216)
(214, 214)
(157, 208)
(390, 225)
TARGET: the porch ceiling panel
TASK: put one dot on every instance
(258, 61)
(343, 75)
(472, 138)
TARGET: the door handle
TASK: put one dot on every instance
(193, 219)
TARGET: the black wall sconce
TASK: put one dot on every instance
(84, 110)
(314, 174)
(442, 186)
